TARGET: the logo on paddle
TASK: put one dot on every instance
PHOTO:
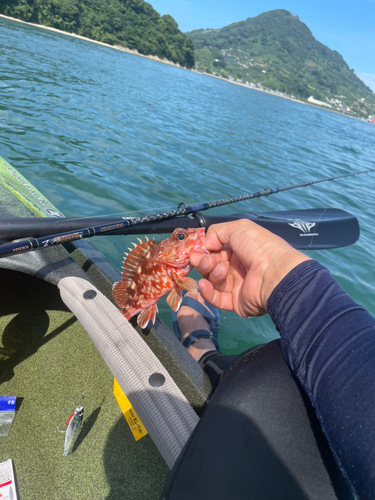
(303, 226)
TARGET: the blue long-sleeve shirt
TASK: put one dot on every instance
(329, 343)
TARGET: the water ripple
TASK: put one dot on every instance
(101, 131)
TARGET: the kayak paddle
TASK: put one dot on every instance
(309, 229)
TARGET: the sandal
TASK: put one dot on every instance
(209, 313)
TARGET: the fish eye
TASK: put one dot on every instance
(180, 236)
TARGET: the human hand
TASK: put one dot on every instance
(245, 264)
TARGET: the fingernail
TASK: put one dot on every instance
(217, 272)
(205, 267)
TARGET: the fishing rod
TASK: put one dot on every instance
(69, 235)
(12, 228)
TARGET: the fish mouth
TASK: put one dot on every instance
(201, 250)
(181, 264)
(201, 237)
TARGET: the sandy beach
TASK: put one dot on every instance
(170, 63)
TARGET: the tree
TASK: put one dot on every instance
(131, 23)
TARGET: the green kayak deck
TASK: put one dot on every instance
(47, 361)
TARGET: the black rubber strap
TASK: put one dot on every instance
(199, 334)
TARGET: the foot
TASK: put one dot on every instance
(189, 320)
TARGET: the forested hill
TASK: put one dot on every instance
(130, 23)
(277, 50)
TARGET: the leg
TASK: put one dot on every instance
(190, 320)
(203, 350)
(258, 438)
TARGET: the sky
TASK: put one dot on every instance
(346, 26)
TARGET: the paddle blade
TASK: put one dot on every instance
(311, 229)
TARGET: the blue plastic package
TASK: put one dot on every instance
(7, 413)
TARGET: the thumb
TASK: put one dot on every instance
(219, 235)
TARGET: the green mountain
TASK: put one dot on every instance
(277, 50)
(130, 23)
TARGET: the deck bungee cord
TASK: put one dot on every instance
(71, 229)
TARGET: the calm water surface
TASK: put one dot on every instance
(100, 132)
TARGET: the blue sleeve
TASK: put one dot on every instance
(329, 343)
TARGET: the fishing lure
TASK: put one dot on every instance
(73, 426)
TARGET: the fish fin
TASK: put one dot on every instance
(153, 317)
(174, 298)
(185, 283)
(148, 314)
(122, 294)
(133, 260)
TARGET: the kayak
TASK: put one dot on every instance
(61, 337)
(63, 342)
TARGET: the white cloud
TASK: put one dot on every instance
(368, 79)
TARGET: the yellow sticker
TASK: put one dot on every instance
(134, 422)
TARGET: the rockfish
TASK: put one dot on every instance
(151, 270)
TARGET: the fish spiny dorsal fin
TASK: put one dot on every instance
(133, 260)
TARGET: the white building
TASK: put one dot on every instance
(320, 103)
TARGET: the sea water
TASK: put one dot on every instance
(103, 132)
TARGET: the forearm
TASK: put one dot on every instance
(329, 342)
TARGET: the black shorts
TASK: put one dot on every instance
(258, 437)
